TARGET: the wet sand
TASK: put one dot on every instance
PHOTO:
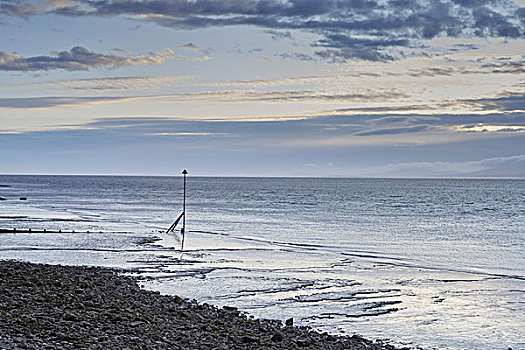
(69, 307)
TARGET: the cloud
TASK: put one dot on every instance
(52, 102)
(113, 84)
(77, 59)
(276, 34)
(510, 166)
(416, 125)
(504, 104)
(393, 131)
(514, 67)
(510, 102)
(139, 83)
(340, 41)
(194, 59)
(343, 55)
(188, 134)
(191, 46)
(480, 127)
(352, 29)
(127, 52)
(23, 10)
(297, 56)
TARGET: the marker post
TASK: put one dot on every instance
(183, 230)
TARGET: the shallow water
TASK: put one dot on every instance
(433, 263)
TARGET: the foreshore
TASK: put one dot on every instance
(71, 307)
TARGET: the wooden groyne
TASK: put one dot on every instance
(16, 230)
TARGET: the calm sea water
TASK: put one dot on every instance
(429, 263)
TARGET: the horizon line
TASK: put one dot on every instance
(288, 176)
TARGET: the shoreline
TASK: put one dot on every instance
(71, 307)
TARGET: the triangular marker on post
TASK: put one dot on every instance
(181, 216)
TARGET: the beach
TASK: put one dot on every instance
(419, 264)
(72, 307)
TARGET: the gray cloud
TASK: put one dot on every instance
(351, 29)
(513, 102)
(392, 131)
(276, 34)
(340, 41)
(23, 10)
(512, 67)
(51, 101)
(510, 166)
(77, 59)
(191, 46)
(297, 56)
(343, 55)
(294, 96)
(141, 83)
(113, 84)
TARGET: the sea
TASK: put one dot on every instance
(421, 263)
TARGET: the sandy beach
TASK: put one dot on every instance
(71, 307)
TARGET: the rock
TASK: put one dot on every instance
(23, 198)
(70, 317)
(247, 339)
(2, 199)
(301, 343)
(135, 324)
(289, 322)
(277, 336)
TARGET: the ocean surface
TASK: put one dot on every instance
(427, 263)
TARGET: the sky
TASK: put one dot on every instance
(335, 88)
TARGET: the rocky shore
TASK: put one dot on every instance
(65, 307)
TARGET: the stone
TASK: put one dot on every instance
(277, 336)
(70, 317)
(289, 322)
(248, 339)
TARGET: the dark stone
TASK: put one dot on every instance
(278, 336)
(70, 317)
(289, 322)
(247, 339)
(2, 199)
(301, 344)
(23, 198)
